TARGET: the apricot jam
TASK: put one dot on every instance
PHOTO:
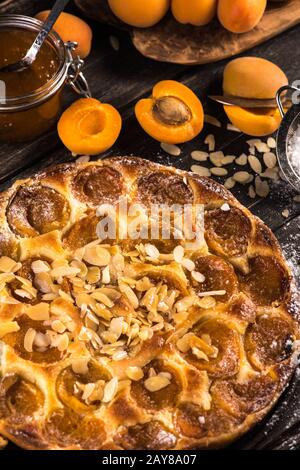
(29, 100)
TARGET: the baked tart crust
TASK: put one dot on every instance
(137, 344)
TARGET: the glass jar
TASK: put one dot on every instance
(28, 115)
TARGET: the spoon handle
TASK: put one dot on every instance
(47, 26)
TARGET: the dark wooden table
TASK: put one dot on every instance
(121, 78)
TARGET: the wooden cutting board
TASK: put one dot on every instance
(172, 42)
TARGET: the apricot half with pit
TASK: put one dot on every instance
(195, 12)
(138, 13)
(253, 77)
(173, 114)
(241, 16)
(89, 126)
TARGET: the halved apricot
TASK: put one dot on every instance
(173, 114)
(89, 126)
(255, 122)
(195, 12)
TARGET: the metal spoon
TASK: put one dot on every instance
(39, 40)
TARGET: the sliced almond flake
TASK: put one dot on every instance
(7, 264)
(198, 277)
(200, 354)
(8, 327)
(8, 300)
(270, 159)
(188, 264)
(100, 297)
(199, 156)
(80, 365)
(29, 339)
(151, 251)
(211, 293)
(211, 142)
(116, 326)
(178, 253)
(171, 149)
(42, 340)
(271, 142)
(225, 207)
(212, 120)
(262, 188)
(296, 198)
(255, 164)
(97, 255)
(110, 390)
(88, 390)
(58, 326)
(83, 159)
(134, 373)
(219, 171)
(63, 271)
(38, 312)
(125, 289)
(242, 160)
(228, 159)
(114, 42)
(285, 213)
(231, 127)
(22, 293)
(106, 275)
(156, 383)
(200, 170)
(216, 158)
(119, 355)
(251, 192)
(242, 177)
(62, 342)
(229, 183)
(271, 173)
(40, 266)
(44, 283)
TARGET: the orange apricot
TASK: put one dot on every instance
(241, 16)
(173, 114)
(255, 122)
(72, 28)
(138, 13)
(195, 12)
(89, 126)
(253, 77)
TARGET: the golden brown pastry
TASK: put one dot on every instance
(137, 344)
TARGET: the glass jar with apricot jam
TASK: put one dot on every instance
(30, 100)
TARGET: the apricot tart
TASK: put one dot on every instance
(137, 344)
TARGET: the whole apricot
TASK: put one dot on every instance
(89, 126)
(253, 77)
(72, 28)
(240, 16)
(139, 13)
(195, 12)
